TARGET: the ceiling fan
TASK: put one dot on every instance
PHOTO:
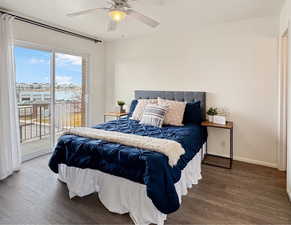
(117, 11)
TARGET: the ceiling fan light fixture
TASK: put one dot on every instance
(117, 15)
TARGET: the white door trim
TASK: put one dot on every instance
(283, 93)
(53, 98)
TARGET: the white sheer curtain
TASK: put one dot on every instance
(10, 154)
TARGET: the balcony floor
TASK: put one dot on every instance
(33, 148)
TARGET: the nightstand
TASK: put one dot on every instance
(228, 126)
(117, 115)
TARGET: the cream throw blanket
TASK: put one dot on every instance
(170, 148)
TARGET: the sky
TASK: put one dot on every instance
(34, 66)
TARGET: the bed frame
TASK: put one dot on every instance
(183, 96)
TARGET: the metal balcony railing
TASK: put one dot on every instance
(35, 122)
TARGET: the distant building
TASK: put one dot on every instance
(32, 86)
(29, 97)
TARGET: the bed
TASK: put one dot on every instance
(128, 179)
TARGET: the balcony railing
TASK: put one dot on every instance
(35, 122)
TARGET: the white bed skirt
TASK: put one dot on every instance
(120, 195)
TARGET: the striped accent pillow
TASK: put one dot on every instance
(154, 115)
(139, 109)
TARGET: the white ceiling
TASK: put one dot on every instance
(171, 13)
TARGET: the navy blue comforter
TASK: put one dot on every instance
(139, 165)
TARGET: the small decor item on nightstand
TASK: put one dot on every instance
(121, 104)
(211, 113)
(219, 119)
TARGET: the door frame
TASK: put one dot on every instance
(53, 51)
(283, 96)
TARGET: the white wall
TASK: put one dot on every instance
(284, 25)
(47, 38)
(235, 62)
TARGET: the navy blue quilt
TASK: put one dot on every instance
(138, 165)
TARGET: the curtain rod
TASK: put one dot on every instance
(43, 25)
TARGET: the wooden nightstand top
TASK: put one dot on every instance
(228, 125)
(116, 114)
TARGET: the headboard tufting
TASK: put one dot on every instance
(183, 96)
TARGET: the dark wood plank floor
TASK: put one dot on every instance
(247, 194)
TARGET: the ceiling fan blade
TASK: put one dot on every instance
(152, 2)
(142, 18)
(85, 12)
(112, 26)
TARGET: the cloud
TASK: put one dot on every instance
(64, 80)
(38, 61)
(64, 59)
(61, 59)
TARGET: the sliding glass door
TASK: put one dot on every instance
(69, 92)
(33, 91)
(50, 95)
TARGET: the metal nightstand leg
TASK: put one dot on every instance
(231, 147)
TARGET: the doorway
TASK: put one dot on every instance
(51, 89)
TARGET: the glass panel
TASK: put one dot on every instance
(69, 110)
(33, 98)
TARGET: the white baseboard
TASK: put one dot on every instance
(257, 162)
(289, 194)
(253, 161)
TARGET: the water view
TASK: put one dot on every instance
(42, 95)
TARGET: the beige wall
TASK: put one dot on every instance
(235, 63)
(33, 34)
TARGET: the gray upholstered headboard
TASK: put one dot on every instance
(183, 96)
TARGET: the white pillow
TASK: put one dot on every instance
(175, 113)
(139, 109)
(154, 115)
